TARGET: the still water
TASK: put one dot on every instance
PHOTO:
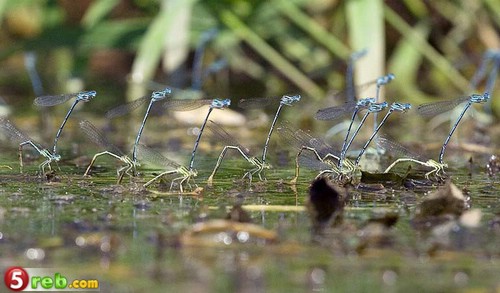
(133, 240)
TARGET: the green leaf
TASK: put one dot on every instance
(151, 47)
(421, 44)
(119, 34)
(405, 62)
(97, 12)
(270, 54)
(315, 31)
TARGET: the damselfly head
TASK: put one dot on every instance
(220, 104)
(86, 96)
(383, 80)
(160, 95)
(289, 100)
(366, 102)
(477, 98)
(401, 107)
(377, 107)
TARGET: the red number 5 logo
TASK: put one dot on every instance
(16, 278)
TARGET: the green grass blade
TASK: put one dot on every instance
(495, 9)
(97, 12)
(421, 44)
(176, 46)
(151, 48)
(365, 20)
(271, 55)
(406, 61)
(3, 5)
(315, 31)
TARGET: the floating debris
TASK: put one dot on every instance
(445, 215)
(447, 201)
(236, 228)
(325, 204)
(226, 232)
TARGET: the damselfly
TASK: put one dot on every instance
(232, 144)
(111, 150)
(17, 136)
(47, 101)
(432, 109)
(155, 158)
(395, 149)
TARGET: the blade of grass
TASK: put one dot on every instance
(495, 9)
(3, 5)
(421, 44)
(150, 49)
(417, 7)
(271, 55)
(176, 47)
(406, 60)
(315, 31)
(97, 12)
(365, 19)
(119, 34)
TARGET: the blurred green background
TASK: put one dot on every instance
(256, 48)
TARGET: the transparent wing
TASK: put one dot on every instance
(126, 108)
(225, 138)
(185, 105)
(98, 138)
(47, 101)
(432, 109)
(397, 150)
(309, 160)
(336, 112)
(254, 103)
(154, 157)
(299, 138)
